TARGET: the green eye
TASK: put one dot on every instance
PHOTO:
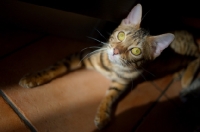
(121, 36)
(136, 51)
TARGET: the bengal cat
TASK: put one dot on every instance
(129, 51)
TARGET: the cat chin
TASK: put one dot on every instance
(113, 58)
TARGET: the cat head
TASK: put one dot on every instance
(129, 43)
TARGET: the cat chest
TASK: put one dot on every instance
(120, 75)
(101, 63)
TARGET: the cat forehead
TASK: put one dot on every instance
(133, 37)
(126, 29)
(138, 33)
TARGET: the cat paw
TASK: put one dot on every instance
(178, 75)
(101, 120)
(30, 81)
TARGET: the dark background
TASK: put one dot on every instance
(79, 19)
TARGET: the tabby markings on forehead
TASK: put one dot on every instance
(129, 33)
(141, 33)
(137, 43)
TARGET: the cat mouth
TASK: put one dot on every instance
(113, 58)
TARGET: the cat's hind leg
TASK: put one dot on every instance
(178, 75)
(190, 72)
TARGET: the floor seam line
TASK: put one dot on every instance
(19, 114)
(151, 107)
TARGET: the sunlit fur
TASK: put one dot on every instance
(120, 68)
(116, 62)
(135, 37)
(184, 44)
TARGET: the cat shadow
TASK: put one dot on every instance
(165, 116)
(169, 63)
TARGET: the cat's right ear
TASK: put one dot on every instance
(134, 17)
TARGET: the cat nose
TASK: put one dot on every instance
(115, 51)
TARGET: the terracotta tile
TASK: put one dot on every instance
(68, 103)
(9, 121)
(37, 56)
(163, 82)
(165, 117)
(173, 91)
(11, 40)
(132, 108)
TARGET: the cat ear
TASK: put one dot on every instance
(134, 17)
(160, 42)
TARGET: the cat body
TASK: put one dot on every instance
(182, 56)
(128, 55)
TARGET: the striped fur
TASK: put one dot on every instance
(116, 61)
(184, 44)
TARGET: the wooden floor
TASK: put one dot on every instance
(69, 103)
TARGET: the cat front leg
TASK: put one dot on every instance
(41, 77)
(70, 63)
(105, 108)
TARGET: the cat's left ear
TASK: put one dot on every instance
(159, 43)
(134, 17)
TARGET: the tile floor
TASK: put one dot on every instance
(69, 103)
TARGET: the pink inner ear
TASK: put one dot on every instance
(158, 50)
(134, 17)
(161, 42)
(160, 47)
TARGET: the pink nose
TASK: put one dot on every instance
(115, 51)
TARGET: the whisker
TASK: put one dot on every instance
(99, 33)
(91, 53)
(98, 50)
(127, 62)
(109, 33)
(145, 15)
(148, 71)
(90, 48)
(130, 63)
(123, 61)
(109, 46)
(141, 74)
(97, 40)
